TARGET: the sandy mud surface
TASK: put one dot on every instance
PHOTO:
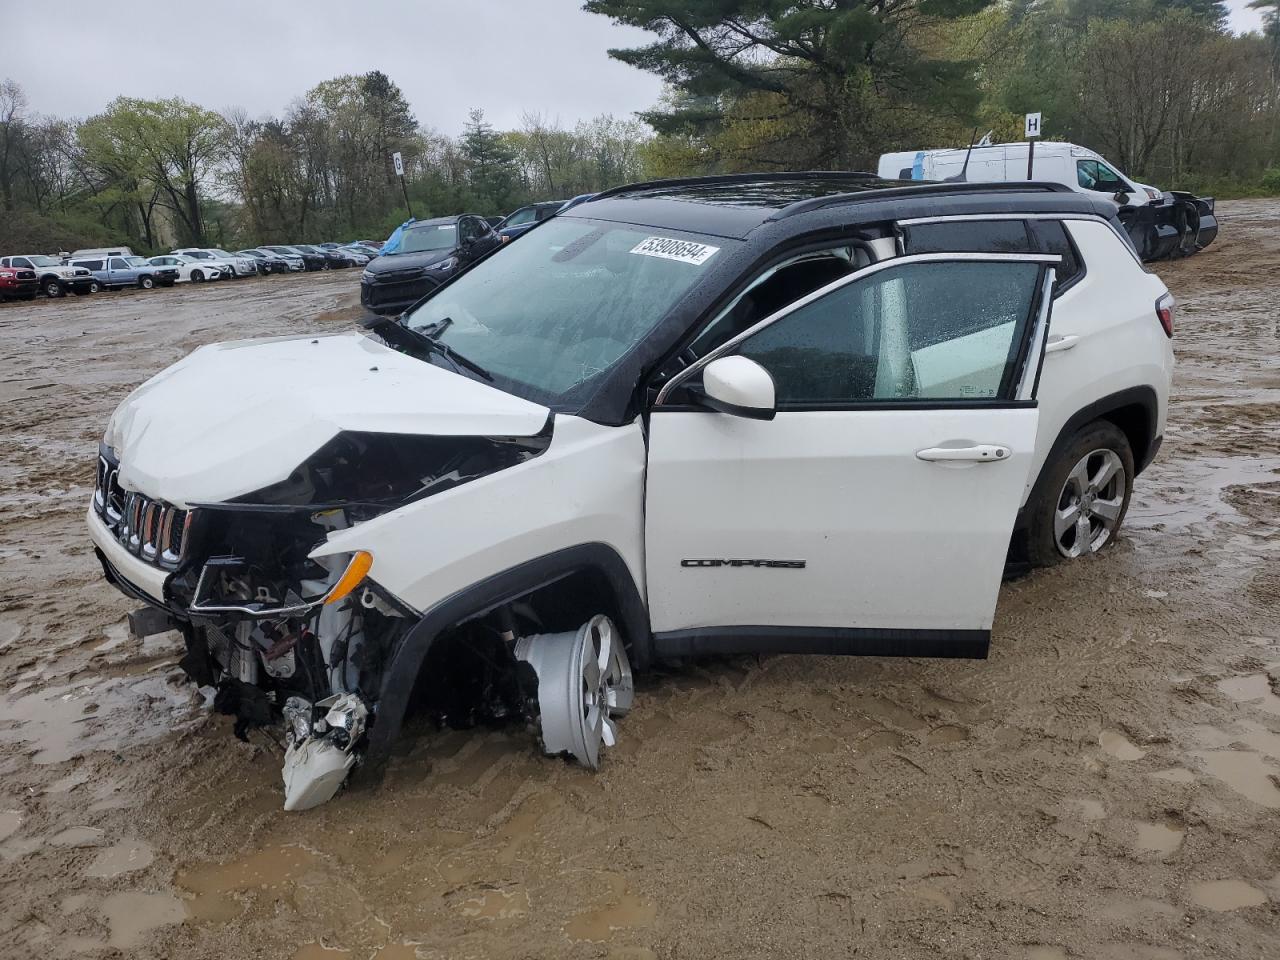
(1107, 785)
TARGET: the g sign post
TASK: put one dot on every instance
(1031, 131)
(399, 165)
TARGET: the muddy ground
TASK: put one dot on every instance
(1106, 785)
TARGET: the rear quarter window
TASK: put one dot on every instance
(999, 236)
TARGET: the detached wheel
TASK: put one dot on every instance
(1083, 496)
(146, 283)
(53, 289)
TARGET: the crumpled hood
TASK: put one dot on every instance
(232, 418)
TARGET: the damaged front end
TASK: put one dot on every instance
(1174, 224)
(283, 635)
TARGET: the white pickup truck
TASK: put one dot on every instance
(1160, 223)
(56, 279)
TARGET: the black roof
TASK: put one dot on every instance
(735, 205)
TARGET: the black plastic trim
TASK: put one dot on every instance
(824, 641)
(1144, 397)
(704, 399)
(401, 672)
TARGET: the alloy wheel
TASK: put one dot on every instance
(1089, 504)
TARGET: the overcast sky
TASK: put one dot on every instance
(505, 56)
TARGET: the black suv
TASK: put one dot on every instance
(430, 252)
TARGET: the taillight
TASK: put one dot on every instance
(1164, 310)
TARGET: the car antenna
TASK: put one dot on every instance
(962, 176)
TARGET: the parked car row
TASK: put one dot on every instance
(26, 276)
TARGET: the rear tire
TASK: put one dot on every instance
(1081, 499)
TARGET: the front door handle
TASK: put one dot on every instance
(980, 453)
(1057, 344)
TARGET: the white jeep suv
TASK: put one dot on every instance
(807, 413)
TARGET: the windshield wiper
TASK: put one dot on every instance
(400, 333)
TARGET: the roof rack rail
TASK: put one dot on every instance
(915, 190)
(730, 178)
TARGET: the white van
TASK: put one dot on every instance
(1160, 223)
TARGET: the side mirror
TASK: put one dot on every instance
(1120, 197)
(737, 386)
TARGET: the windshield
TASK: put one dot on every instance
(137, 261)
(219, 253)
(45, 261)
(431, 236)
(566, 302)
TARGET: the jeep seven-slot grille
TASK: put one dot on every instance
(150, 529)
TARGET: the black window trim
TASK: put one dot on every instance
(689, 372)
(1062, 217)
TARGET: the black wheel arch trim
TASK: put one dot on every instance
(1143, 397)
(401, 673)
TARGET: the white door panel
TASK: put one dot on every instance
(888, 540)
(879, 501)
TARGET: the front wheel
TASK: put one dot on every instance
(53, 289)
(325, 265)
(95, 286)
(1083, 496)
(146, 283)
(197, 276)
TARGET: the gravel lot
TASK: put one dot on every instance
(1107, 785)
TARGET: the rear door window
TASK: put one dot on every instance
(998, 236)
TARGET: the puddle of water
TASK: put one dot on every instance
(1085, 809)
(627, 911)
(10, 821)
(935, 897)
(132, 914)
(1254, 690)
(1174, 775)
(495, 904)
(77, 837)
(58, 723)
(1223, 895)
(213, 884)
(1159, 839)
(1245, 772)
(947, 734)
(127, 856)
(1119, 747)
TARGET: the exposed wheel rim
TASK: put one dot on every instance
(1088, 508)
(584, 682)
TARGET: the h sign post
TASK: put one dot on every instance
(1031, 130)
(398, 162)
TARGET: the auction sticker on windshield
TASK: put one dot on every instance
(686, 251)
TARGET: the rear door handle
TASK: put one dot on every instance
(980, 453)
(1057, 344)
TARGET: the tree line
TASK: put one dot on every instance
(1158, 86)
(156, 173)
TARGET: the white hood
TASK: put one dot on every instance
(232, 418)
